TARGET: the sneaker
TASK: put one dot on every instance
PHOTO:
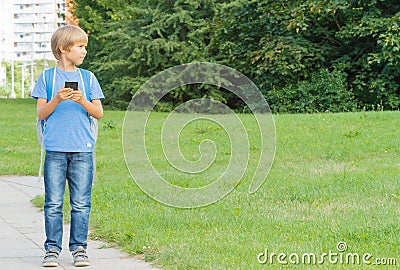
(50, 259)
(80, 257)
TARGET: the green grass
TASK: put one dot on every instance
(335, 178)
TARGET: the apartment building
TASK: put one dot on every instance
(6, 33)
(28, 25)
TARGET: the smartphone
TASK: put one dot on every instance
(73, 85)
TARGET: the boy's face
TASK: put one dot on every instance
(76, 53)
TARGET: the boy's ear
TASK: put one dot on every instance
(62, 50)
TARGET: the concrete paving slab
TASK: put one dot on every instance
(22, 233)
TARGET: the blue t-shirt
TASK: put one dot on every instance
(68, 128)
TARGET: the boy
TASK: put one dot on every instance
(69, 141)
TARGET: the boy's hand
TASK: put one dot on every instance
(77, 96)
(64, 94)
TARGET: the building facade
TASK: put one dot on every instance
(30, 23)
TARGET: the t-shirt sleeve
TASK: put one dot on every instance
(95, 89)
(39, 90)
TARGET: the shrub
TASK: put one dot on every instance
(325, 91)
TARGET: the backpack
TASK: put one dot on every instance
(49, 79)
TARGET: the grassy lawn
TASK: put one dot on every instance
(335, 179)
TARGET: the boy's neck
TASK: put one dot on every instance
(66, 66)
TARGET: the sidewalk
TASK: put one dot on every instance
(22, 233)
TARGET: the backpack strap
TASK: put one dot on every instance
(49, 79)
(86, 78)
(40, 126)
(49, 82)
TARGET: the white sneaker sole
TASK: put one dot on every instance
(81, 264)
(50, 264)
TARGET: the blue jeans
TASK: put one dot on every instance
(77, 169)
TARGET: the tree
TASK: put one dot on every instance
(134, 41)
(281, 43)
(277, 44)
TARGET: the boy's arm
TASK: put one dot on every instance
(94, 107)
(44, 108)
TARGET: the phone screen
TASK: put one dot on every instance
(73, 85)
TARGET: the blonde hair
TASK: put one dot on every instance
(66, 37)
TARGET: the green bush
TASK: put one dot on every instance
(324, 92)
(277, 44)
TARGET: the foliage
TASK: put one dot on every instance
(5, 91)
(281, 43)
(277, 44)
(324, 92)
(140, 39)
(372, 56)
